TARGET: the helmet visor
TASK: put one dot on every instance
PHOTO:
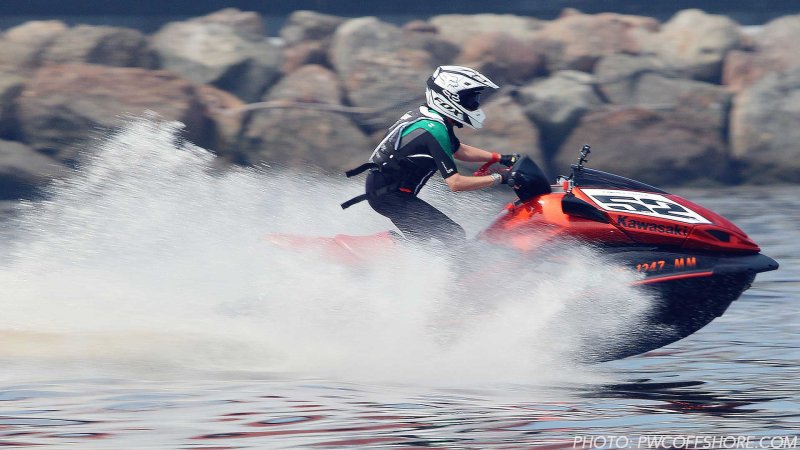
(470, 99)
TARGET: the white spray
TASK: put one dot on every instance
(151, 258)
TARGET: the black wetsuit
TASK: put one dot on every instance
(418, 145)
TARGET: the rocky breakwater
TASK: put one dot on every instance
(697, 99)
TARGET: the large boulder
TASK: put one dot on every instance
(503, 58)
(648, 146)
(22, 170)
(743, 68)
(577, 41)
(303, 53)
(213, 50)
(300, 136)
(378, 70)
(248, 24)
(556, 104)
(305, 138)
(24, 44)
(110, 46)
(764, 130)
(696, 43)
(425, 36)
(618, 76)
(307, 36)
(309, 84)
(63, 105)
(226, 111)
(506, 130)
(309, 26)
(643, 82)
(458, 28)
(773, 51)
(778, 34)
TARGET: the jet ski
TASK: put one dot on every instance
(693, 261)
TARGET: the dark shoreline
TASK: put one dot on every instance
(746, 14)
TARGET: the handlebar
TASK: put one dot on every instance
(483, 170)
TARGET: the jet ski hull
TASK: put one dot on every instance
(688, 294)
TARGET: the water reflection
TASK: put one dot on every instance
(681, 396)
(243, 417)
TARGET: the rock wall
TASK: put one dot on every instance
(695, 100)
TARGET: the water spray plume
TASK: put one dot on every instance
(151, 257)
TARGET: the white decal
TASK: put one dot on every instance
(446, 169)
(643, 204)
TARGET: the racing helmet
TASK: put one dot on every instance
(455, 92)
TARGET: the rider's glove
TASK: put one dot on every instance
(501, 177)
(509, 160)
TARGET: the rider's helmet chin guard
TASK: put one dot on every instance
(454, 92)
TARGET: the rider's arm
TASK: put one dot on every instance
(458, 182)
(469, 153)
(455, 181)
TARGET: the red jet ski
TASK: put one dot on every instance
(692, 260)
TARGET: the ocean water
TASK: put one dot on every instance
(144, 308)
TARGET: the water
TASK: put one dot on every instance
(143, 309)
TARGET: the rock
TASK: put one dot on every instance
(764, 130)
(618, 76)
(458, 28)
(302, 137)
(695, 103)
(424, 36)
(23, 170)
(647, 84)
(779, 35)
(110, 46)
(741, 69)
(309, 84)
(378, 70)
(577, 41)
(557, 103)
(249, 25)
(307, 37)
(773, 52)
(303, 53)
(696, 43)
(506, 130)
(503, 58)
(24, 44)
(63, 105)
(647, 146)
(305, 26)
(11, 86)
(209, 50)
(305, 138)
(36, 33)
(225, 110)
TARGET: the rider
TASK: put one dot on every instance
(421, 142)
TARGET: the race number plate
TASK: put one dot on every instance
(643, 204)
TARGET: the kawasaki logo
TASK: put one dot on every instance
(633, 224)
